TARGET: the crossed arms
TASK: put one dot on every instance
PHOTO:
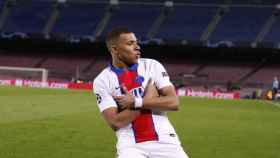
(164, 99)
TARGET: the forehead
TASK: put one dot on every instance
(125, 37)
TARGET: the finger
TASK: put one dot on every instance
(118, 97)
(125, 90)
(122, 105)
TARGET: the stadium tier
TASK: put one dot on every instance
(79, 19)
(63, 64)
(241, 24)
(177, 68)
(265, 2)
(189, 21)
(270, 2)
(265, 74)
(65, 68)
(274, 33)
(177, 21)
(19, 60)
(225, 72)
(2, 2)
(60, 68)
(138, 18)
(186, 22)
(96, 67)
(28, 16)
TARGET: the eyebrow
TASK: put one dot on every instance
(132, 41)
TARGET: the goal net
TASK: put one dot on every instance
(23, 73)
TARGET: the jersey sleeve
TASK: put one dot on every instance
(161, 77)
(103, 97)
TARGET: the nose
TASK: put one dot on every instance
(137, 47)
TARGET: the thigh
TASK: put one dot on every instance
(131, 153)
(169, 151)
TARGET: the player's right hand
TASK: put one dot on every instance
(125, 101)
(151, 90)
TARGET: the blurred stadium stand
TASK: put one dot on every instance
(28, 16)
(19, 60)
(274, 33)
(79, 19)
(192, 38)
(186, 22)
(2, 3)
(137, 17)
(208, 21)
(241, 24)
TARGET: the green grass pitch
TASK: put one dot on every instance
(45, 123)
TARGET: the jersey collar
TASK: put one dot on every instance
(120, 70)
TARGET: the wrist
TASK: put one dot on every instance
(138, 103)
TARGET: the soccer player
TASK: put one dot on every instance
(133, 95)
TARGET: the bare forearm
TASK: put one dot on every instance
(125, 117)
(162, 103)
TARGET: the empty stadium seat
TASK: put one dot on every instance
(186, 22)
(138, 18)
(274, 34)
(79, 19)
(2, 2)
(28, 16)
(241, 24)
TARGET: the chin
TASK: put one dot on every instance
(136, 61)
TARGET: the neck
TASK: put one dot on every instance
(119, 64)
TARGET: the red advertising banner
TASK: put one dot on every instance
(83, 86)
(208, 94)
(49, 84)
(89, 86)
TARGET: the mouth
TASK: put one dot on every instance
(137, 56)
(138, 53)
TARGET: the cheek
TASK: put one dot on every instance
(129, 57)
(127, 53)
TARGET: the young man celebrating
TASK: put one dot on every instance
(133, 95)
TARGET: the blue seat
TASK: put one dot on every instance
(138, 18)
(186, 22)
(266, 2)
(241, 24)
(79, 19)
(274, 34)
(200, 1)
(2, 2)
(28, 17)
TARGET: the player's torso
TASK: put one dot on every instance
(135, 80)
(150, 125)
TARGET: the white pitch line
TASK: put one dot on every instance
(273, 103)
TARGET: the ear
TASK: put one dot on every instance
(113, 48)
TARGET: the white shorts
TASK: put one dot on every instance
(152, 150)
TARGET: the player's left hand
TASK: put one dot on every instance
(125, 101)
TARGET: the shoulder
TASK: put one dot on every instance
(149, 61)
(102, 78)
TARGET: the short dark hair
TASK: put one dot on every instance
(114, 34)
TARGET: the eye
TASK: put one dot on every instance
(131, 43)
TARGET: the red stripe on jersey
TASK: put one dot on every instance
(128, 79)
(143, 125)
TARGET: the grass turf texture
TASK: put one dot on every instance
(44, 123)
